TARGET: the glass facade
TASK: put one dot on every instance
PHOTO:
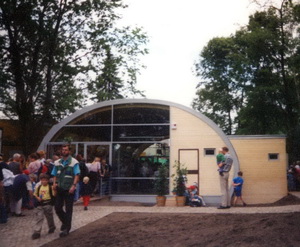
(134, 139)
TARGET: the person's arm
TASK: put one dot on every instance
(54, 186)
(221, 164)
(76, 171)
(36, 195)
(29, 188)
(54, 173)
(73, 187)
(102, 171)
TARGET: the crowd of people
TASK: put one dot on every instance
(293, 176)
(43, 184)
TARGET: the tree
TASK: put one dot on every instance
(51, 53)
(268, 79)
(221, 92)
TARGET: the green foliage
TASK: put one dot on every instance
(221, 91)
(251, 80)
(161, 184)
(179, 178)
(57, 54)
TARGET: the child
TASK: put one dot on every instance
(45, 197)
(86, 191)
(194, 198)
(193, 190)
(238, 184)
(220, 161)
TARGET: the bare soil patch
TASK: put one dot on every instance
(153, 229)
(142, 229)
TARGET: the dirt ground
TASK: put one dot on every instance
(142, 229)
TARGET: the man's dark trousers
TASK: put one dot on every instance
(64, 197)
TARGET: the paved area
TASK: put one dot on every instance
(18, 231)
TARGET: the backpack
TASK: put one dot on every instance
(50, 192)
(42, 169)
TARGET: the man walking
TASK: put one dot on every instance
(225, 166)
(65, 177)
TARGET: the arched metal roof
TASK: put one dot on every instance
(87, 109)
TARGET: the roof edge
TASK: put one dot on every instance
(256, 137)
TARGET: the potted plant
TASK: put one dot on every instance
(161, 185)
(179, 181)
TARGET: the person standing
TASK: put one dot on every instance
(34, 164)
(85, 192)
(238, 185)
(15, 166)
(226, 167)
(65, 178)
(45, 197)
(22, 183)
(94, 172)
(106, 171)
(3, 165)
(84, 171)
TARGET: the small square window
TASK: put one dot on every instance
(273, 156)
(209, 151)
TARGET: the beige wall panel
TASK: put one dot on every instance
(193, 133)
(192, 178)
(189, 157)
(265, 180)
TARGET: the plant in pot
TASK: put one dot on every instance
(179, 181)
(161, 185)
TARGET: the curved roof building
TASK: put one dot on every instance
(136, 136)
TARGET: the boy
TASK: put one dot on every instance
(45, 197)
(220, 161)
(238, 184)
(86, 191)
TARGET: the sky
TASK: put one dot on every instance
(178, 30)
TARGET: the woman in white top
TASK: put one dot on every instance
(94, 172)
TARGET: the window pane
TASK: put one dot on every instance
(98, 116)
(141, 133)
(138, 159)
(273, 156)
(209, 151)
(141, 113)
(82, 134)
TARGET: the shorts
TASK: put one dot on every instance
(237, 193)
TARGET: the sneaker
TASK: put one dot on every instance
(244, 204)
(222, 207)
(35, 235)
(85, 208)
(64, 233)
(51, 230)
